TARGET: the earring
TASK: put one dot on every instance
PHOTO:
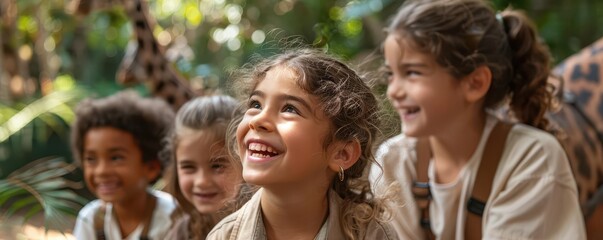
(341, 174)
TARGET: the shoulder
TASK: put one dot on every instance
(165, 201)
(527, 142)
(88, 211)
(531, 153)
(179, 230)
(84, 224)
(395, 150)
(380, 230)
(224, 228)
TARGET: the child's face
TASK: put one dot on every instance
(113, 166)
(206, 176)
(425, 95)
(281, 136)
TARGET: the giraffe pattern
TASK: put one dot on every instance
(148, 64)
(145, 61)
(580, 124)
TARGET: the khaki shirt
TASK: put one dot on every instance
(247, 224)
(533, 196)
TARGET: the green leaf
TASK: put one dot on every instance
(50, 185)
(20, 204)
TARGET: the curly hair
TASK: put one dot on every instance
(147, 120)
(463, 35)
(204, 113)
(348, 102)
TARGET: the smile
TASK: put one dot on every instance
(260, 152)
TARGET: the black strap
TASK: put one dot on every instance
(99, 219)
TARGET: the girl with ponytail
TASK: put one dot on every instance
(464, 173)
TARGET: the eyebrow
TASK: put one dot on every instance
(413, 64)
(284, 97)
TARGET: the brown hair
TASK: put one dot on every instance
(147, 120)
(347, 101)
(465, 34)
(204, 113)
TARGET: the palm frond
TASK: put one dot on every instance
(55, 103)
(41, 187)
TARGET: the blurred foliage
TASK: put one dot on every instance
(40, 187)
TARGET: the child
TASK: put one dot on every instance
(116, 140)
(448, 62)
(202, 178)
(305, 139)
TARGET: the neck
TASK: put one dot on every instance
(288, 215)
(454, 147)
(132, 211)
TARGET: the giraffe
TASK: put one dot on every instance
(145, 61)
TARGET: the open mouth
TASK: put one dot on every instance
(260, 150)
(412, 110)
(106, 187)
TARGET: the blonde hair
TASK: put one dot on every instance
(348, 102)
(204, 113)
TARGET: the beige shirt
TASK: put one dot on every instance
(533, 195)
(247, 224)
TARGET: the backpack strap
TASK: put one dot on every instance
(99, 220)
(482, 184)
(420, 188)
(148, 217)
(483, 180)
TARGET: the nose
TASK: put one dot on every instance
(262, 122)
(203, 179)
(102, 167)
(395, 89)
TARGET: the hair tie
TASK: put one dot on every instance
(499, 18)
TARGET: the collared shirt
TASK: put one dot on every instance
(247, 224)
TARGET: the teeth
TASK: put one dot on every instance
(259, 155)
(261, 147)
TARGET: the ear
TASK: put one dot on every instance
(345, 155)
(477, 83)
(153, 170)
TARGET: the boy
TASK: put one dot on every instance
(117, 142)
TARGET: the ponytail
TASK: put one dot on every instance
(530, 96)
(463, 35)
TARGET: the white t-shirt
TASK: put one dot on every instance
(160, 223)
(533, 196)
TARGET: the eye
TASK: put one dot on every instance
(288, 108)
(412, 73)
(186, 168)
(254, 104)
(116, 158)
(219, 165)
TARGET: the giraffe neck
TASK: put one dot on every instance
(148, 63)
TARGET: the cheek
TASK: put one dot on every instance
(242, 130)
(186, 183)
